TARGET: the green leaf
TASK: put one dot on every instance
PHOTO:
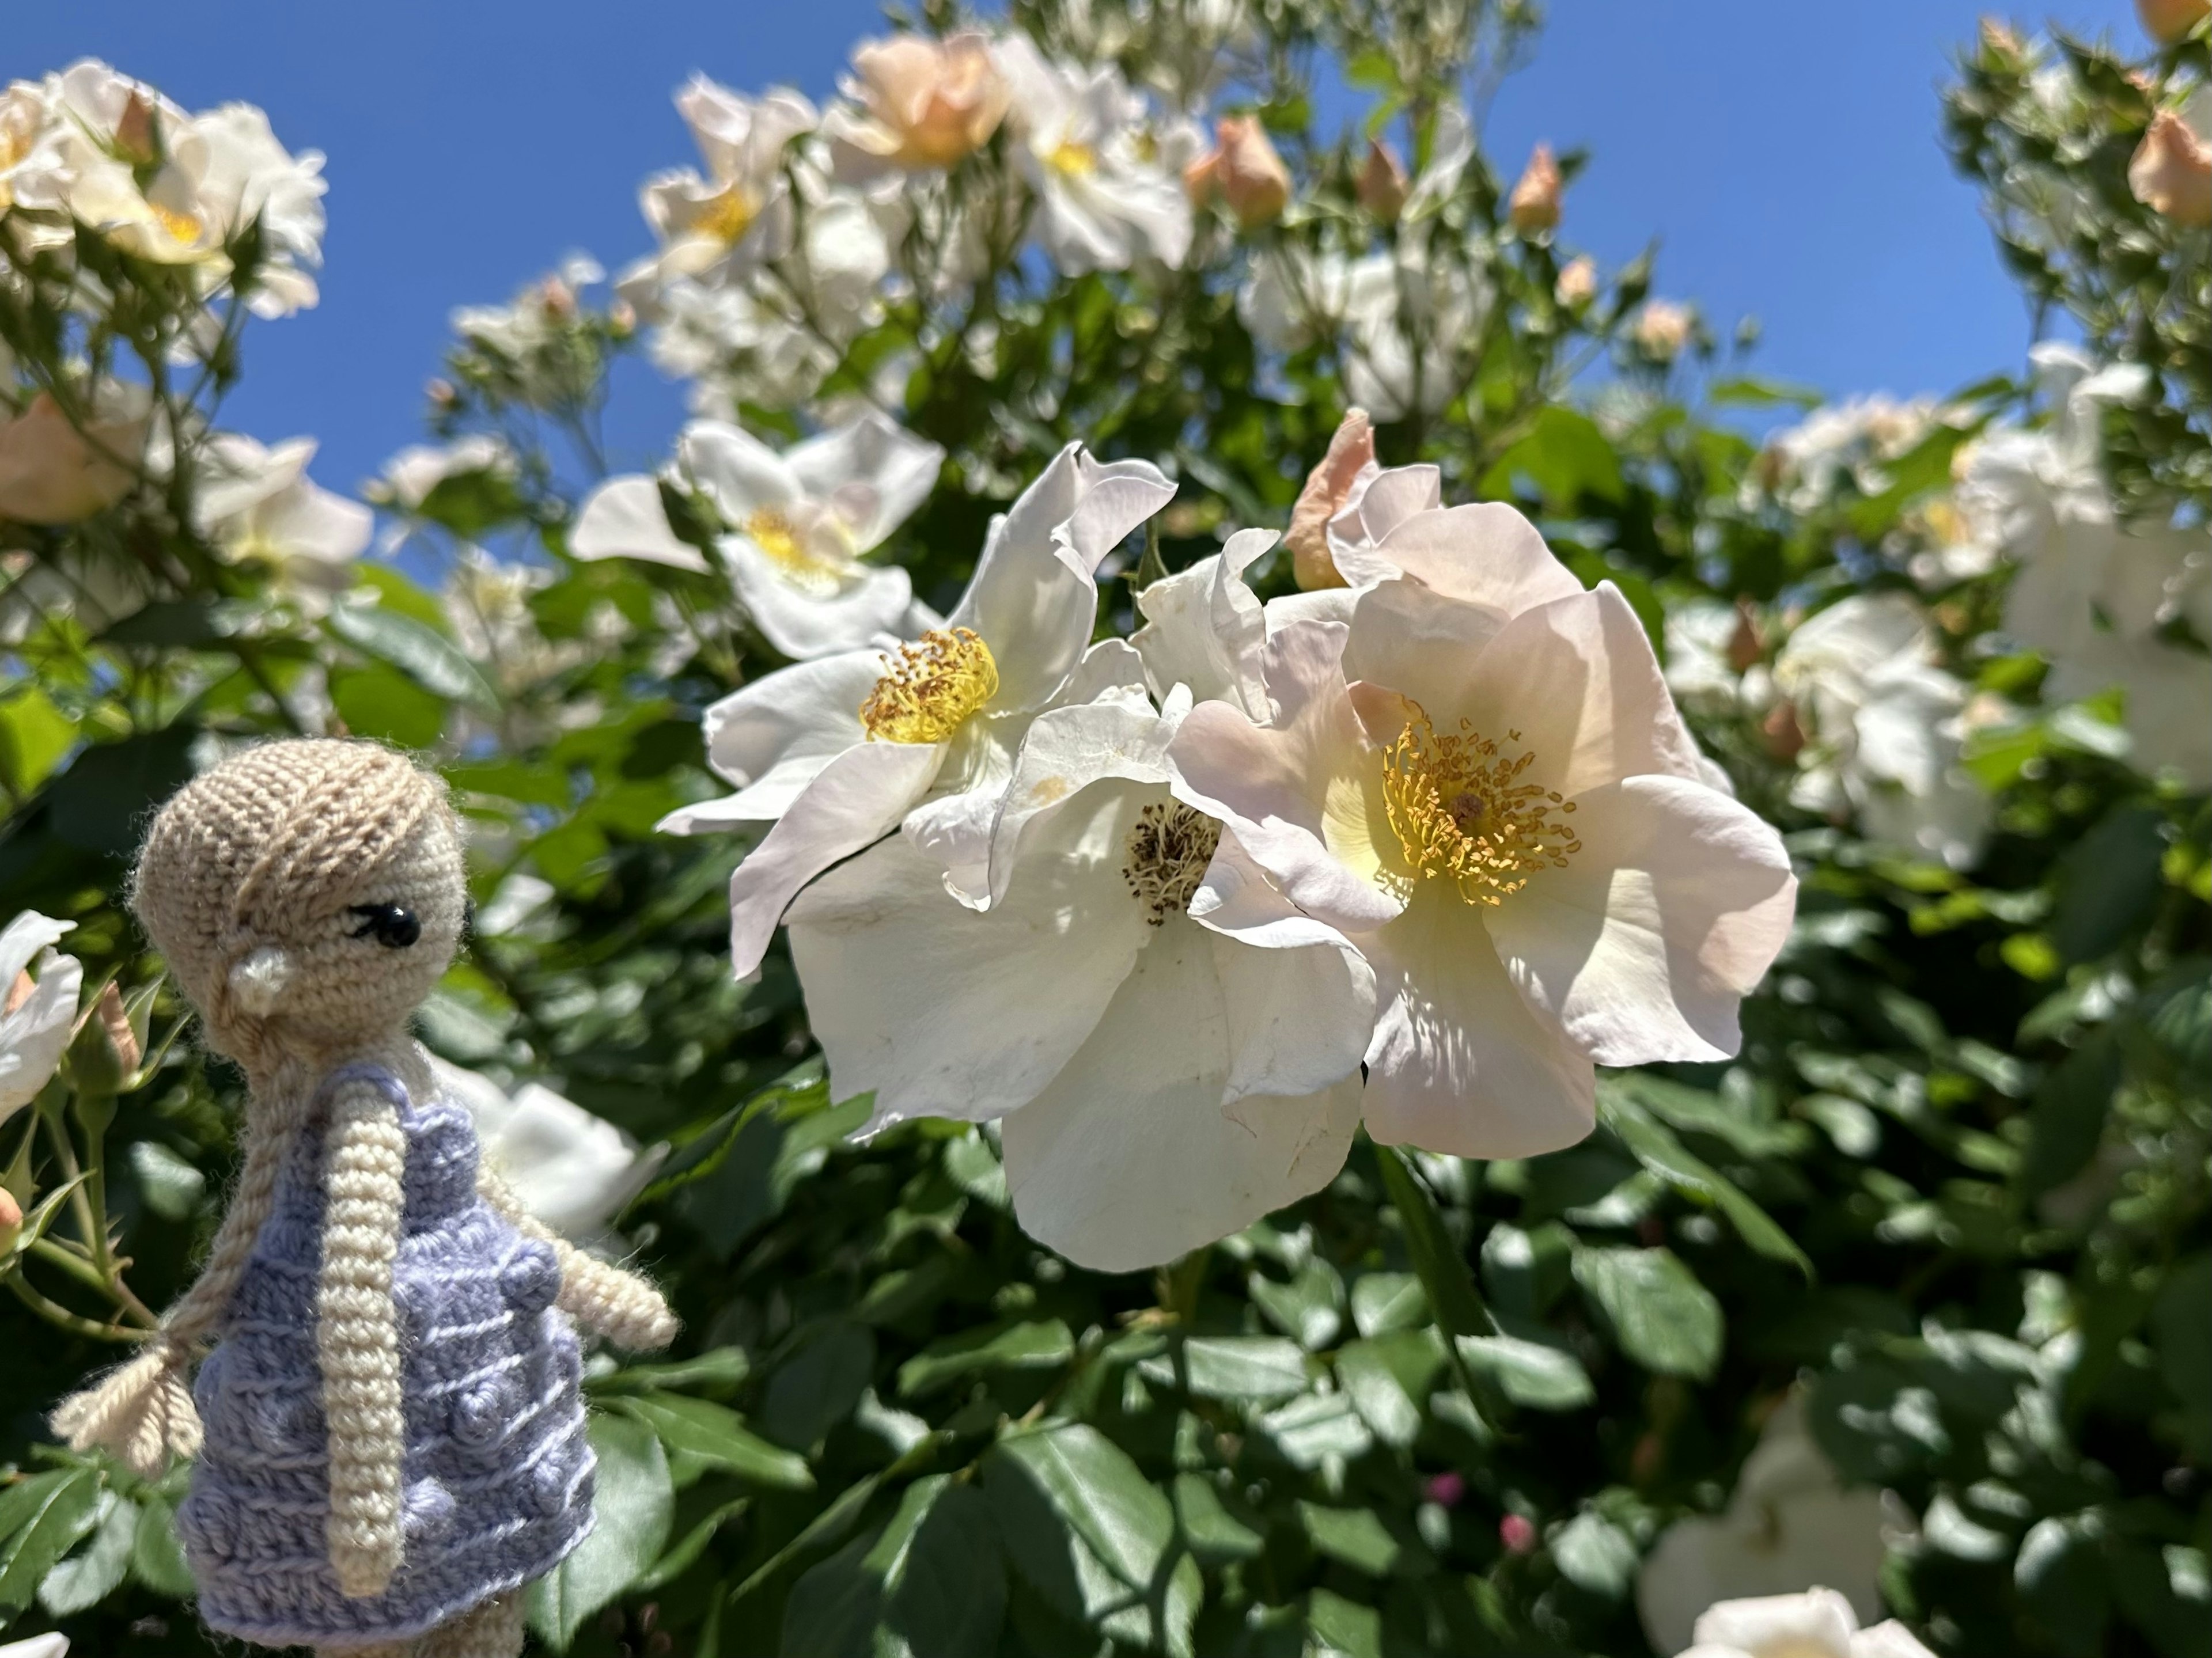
(34, 735)
(717, 1370)
(1308, 1308)
(1383, 1301)
(1215, 1534)
(716, 1434)
(818, 1385)
(634, 1504)
(1662, 1316)
(157, 1560)
(1446, 1279)
(1092, 1484)
(931, 1583)
(1389, 1377)
(1530, 1373)
(2108, 883)
(417, 650)
(40, 1520)
(82, 1580)
(1355, 1537)
(1566, 457)
(2064, 1584)
(1594, 1554)
(1342, 1626)
(1656, 1146)
(1260, 1367)
(381, 702)
(1040, 1345)
(2066, 1120)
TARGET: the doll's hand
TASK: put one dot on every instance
(621, 1306)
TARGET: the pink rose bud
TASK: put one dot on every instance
(1517, 1533)
(11, 1219)
(136, 140)
(1446, 1490)
(2172, 172)
(2168, 22)
(1578, 283)
(1327, 486)
(1663, 329)
(1534, 205)
(1382, 182)
(1245, 168)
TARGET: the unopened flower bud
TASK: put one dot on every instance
(1382, 182)
(1578, 283)
(1447, 1490)
(1785, 738)
(1517, 1533)
(1245, 168)
(558, 299)
(1747, 646)
(11, 1220)
(136, 141)
(1535, 204)
(1663, 329)
(2172, 172)
(1350, 451)
(1998, 40)
(106, 1050)
(2168, 22)
(441, 393)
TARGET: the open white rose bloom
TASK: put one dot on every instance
(1156, 907)
(1817, 1623)
(796, 524)
(39, 989)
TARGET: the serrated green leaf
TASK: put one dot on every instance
(82, 1579)
(716, 1434)
(1663, 1317)
(41, 1519)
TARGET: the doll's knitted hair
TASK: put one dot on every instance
(248, 874)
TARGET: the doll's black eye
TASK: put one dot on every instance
(390, 925)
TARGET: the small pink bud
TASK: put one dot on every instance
(1534, 205)
(1578, 283)
(2172, 172)
(1382, 182)
(1447, 1490)
(11, 1219)
(1245, 168)
(1517, 1533)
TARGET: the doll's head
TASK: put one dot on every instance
(306, 894)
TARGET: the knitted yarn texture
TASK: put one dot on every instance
(496, 1471)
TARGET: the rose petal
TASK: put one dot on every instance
(735, 470)
(894, 470)
(623, 518)
(865, 604)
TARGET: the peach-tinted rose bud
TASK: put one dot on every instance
(1350, 450)
(941, 100)
(52, 473)
(1382, 182)
(113, 1020)
(1784, 736)
(2172, 172)
(1747, 646)
(558, 299)
(441, 393)
(1663, 329)
(135, 139)
(1517, 1532)
(2168, 22)
(11, 1220)
(1245, 169)
(1578, 283)
(1998, 38)
(1534, 205)
(622, 319)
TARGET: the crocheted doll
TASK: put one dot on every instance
(389, 1429)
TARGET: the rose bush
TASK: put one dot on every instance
(1606, 1048)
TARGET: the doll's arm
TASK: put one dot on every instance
(621, 1306)
(142, 1411)
(357, 1336)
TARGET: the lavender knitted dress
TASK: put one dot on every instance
(497, 1474)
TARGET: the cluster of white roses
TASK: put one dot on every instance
(1156, 902)
(90, 150)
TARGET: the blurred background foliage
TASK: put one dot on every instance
(1947, 1211)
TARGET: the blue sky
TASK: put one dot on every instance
(1785, 155)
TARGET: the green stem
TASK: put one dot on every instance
(75, 1323)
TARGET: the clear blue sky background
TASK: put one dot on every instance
(1785, 153)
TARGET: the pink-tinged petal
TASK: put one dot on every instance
(855, 610)
(771, 736)
(1418, 644)
(855, 801)
(1204, 627)
(623, 518)
(1459, 1063)
(873, 471)
(1817, 1623)
(942, 1010)
(1112, 668)
(1034, 594)
(1578, 679)
(1486, 554)
(1643, 946)
(1128, 1159)
(1300, 794)
(1374, 510)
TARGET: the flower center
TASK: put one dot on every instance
(1462, 813)
(181, 227)
(729, 218)
(772, 532)
(1170, 847)
(931, 687)
(1072, 159)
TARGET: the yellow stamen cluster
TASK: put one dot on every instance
(1169, 846)
(730, 217)
(931, 687)
(1462, 813)
(1072, 159)
(181, 227)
